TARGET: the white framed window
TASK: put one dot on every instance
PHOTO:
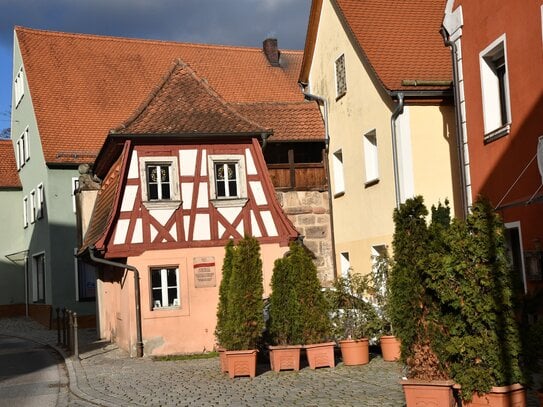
(513, 243)
(22, 153)
(74, 188)
(19, 87)
(227, 184)
(39, 201)
(495, 89)
(25, 212)
(38, 278)
(341, 80)
(337, 166)
(165, 287)
(33, 206)
(85, 279)
(344, 264)
(160, 182)
(371, 161)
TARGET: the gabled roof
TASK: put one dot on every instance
(84, 85)
(399, 39)
(9, 177)
(185, 104)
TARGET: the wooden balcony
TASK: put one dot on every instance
(298, 176)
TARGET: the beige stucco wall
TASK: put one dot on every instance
(363, 215)
(187, 329)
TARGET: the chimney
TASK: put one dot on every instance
(270, 50)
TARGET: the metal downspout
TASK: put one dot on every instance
(458, 119)
(327, 169)
(139, 336)
(397, 111)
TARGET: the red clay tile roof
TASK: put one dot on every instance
(400, 39)
(185, 104)
(9, 177)
(294, 121)
(84, 85)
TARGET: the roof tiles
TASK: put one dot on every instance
(9, 177)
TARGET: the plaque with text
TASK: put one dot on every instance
(204, 272)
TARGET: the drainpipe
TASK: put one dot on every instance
(397, 111)
(458, 118)
(324, 103)
(139, 341)
(264, 137)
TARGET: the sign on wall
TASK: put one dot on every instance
(204, 272)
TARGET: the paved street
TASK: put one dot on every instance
(106, 376)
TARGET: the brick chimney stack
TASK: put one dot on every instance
(270, 50)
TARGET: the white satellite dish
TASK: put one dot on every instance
(540, 156)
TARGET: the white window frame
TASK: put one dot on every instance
(241, 178)
(516, 225)
(22, 153)
(33, 206)
(341, 76)
(19, 87)
(175, 196)
(371, 157)
(25, 211)
(159, 304)
(345, 264)
(39, 202)
(339, 176)
(35, 278)
(74, 187)
(495, 125)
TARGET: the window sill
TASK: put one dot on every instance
(340, 95)
(228, 203)
(371, 182)
(162, 204)
(339, 194)
(498, 133)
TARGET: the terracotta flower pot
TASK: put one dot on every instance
(222, 359)
(435, 393)
(390, 348)
(241, 362)
(320, 355)
(504, 396)
(355, 351)
(285, 357)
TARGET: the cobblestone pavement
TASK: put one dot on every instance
(104, 375)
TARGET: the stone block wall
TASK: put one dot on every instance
(310, 213)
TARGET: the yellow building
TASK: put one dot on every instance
(383, 78)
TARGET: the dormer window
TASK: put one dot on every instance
(226, 180)
(160, 182)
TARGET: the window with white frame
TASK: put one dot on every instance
(39, 201)
(160, 181)
(74, 188)
(371, 162)
(33, 206)
(341, 81)
(19, 87)
(227, 179)
(38, 278)
(344, 264)
(165, 287)
(495, 89)
(22, 153)
(337, 165)
(25, 211)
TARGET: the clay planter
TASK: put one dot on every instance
(435, 393)
(285, 357)
(241, 362)
(504, 396)
(355, 351)
(320, 354)
(390, 348)
(222, 359)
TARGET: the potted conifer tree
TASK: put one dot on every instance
(284, 317)
(244, 310)
(221, 328)
(354, 319)
(414, 312)
(315, 326)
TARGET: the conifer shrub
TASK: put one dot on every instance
(220, 329)
(244, 309)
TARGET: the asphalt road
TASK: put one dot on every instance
(31, 374)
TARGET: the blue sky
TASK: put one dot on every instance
(231, 22)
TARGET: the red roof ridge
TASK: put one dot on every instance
(99, 37)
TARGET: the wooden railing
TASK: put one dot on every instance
(298, 176)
